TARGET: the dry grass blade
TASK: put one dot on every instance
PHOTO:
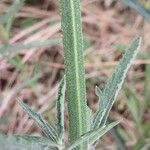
(21, 46)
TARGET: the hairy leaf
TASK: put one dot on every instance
(60, 109)
(98, 91)
(92, 135)
(98, 117)
(49, 130)
(25, 142)
(89, 118)
(114, 83)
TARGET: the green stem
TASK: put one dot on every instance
(74, 67)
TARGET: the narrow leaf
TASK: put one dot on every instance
(49, 130)
(141, 6)
(8, 18)
(119, 140)
(104, 130)
(133, 104)
(115, 82)
(98, 91)
(89, 118)
(147, 84)
(21, 46)
(3, 35)
(98, 117)
(25, 142)
(92, 135)
(60, 108)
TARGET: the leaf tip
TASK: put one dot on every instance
(138, 40)
(98, 91)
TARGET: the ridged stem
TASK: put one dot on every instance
(74, 68)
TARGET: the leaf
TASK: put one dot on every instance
(98, 91)
(8, 18)
(60, 108)
(132, 103)
(98, 117)
(147, 84)
(25, 142)
(15, 61)
(115, 82)
(49, 130)
(119, 47)
(3, 34)
(89, 118)
(141, 8)
(120, 142)
(21, 46)
(92, 135)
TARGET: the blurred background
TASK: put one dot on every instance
(31, 64)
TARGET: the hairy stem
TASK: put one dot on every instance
(74, 67)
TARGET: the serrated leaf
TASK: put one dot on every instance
(22, 46)
(25, 142)
(115, 82)
(60, 108)
(49, 130)
(92, 135)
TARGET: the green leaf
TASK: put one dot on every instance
(119, 47)
(21, 46)
(25, 142)
(89, 118)
(147, 84)
(15, 61)
(3, 34)
(92, 135)
(8, 18)
(115, 82)
(141, 6)
(98, 117)
(132, 103)
(60, 109)
(119, 140)
(49, 130)
(98, 91)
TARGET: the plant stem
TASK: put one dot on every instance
(74, 68)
